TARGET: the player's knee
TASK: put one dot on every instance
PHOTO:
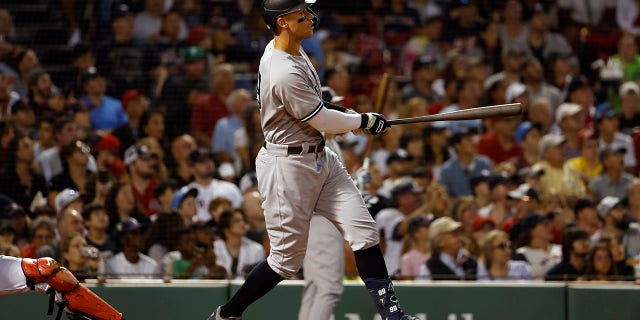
(288, 268)
(366, 241)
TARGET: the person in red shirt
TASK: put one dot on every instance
(500, 145)
(141, 166)
(209, 108)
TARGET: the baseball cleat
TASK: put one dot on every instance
(216, 316)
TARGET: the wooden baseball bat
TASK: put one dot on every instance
(381, 97)
(500, 110)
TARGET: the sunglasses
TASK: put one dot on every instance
(504, 245)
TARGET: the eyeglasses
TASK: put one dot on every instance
(82, 148)
(504, 245)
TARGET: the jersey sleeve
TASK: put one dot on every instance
(298, 96)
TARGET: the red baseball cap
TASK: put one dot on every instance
(129, 95)
(108, 142)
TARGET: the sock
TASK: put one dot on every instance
(259, 281)
(370, 263)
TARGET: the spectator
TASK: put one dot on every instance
(633, 197)
(606, 123)
(82, 59)
(152, 126)
(465, 211)
(75, 176)
(18, 180)
(535, 245)
(13, 216)
(170, 41)
(586, 216)
(627, 57)
(629, 94)
(399, 164)
(575, 249)
(542, 42)
(163, 235)
(237, 253)
(209, 108)
(613, 181)
(459, 170)
(79, 258)
(248, 140)
(533, 78)
(22, 119)
(121, 204)
(46, 137)
(225, 128)
(525, 200)
(560, 70)
(131, 262)
(570, 119)
(556, 182)
(43, 233)
(181, 147)
(436, 150)
(579, 91)
(41, 94)
(624, 266)
(512, 60)
(186, 262)
(587, 166)
(70, 221)
(449, 261)
(252, 207)
(496, 263)
(96, 220)
(600, 266)
(540, 112)
(126, 62)
(416, 249)
(135, 104)
(22, 63)
(184, 203)
(527, 136)
(107, 154)
(180, 93)
(499, 145)
(217, 206)
(49, 161)
(68, 198)
(617, 222)
(467, 95)
(423, 75)
(106, 112)
(147, 24)
(141, 166)
(202, 169)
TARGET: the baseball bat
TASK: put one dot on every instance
(500, 110)
(381, 97)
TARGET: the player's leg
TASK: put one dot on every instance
(71, 293)
(284, 181)
(342, 204)
(323, 270)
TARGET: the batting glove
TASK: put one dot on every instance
(375, 123)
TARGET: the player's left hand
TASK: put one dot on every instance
(374, 123)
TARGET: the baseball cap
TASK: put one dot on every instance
(196, 34)
(429, 130)
(9, 208)
(423, 62)
(460, 134)
(523, 192)
(604, 153)
(193, 53)
(604, 110)
(128, 225)
(481, 221)
(550, 140)
(181, 194)
(531, 172)
(399, 155)
(484, 176)
(629, 87)
(65, 198)
(523, 129)
(90, 73)
(199, 156)
(109, 143)
(405, 185)
(119, 9)
(514, 90)
(226, 170)
(130, 95)
(136, 152)
(567, 109)
(419, 221)
(443, 225)
(577, 83)
(607, 204)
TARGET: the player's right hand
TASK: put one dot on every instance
(375, 123)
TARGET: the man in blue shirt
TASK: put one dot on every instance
(458, 171)
(222, 142)
(106, 111)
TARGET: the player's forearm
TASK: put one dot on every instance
(332, 121)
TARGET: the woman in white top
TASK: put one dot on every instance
(496, 264)
(235, 252)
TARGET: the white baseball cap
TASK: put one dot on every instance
(567, 109)
(550, 140)
(607, 204)
(66, 197)
(629, 87)
(514, 90)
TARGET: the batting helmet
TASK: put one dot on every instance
(273, 9)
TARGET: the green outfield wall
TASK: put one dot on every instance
(429, 301)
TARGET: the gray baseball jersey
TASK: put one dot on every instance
(12, 278)
(297, 185)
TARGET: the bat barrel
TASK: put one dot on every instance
(502, 110)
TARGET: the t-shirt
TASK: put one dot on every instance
(388, 220)
(217, 188)
(119, 267)
(541, 260)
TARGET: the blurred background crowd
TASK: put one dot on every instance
(129, 129)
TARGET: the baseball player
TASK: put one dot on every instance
(46, 276)
(299, 176)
